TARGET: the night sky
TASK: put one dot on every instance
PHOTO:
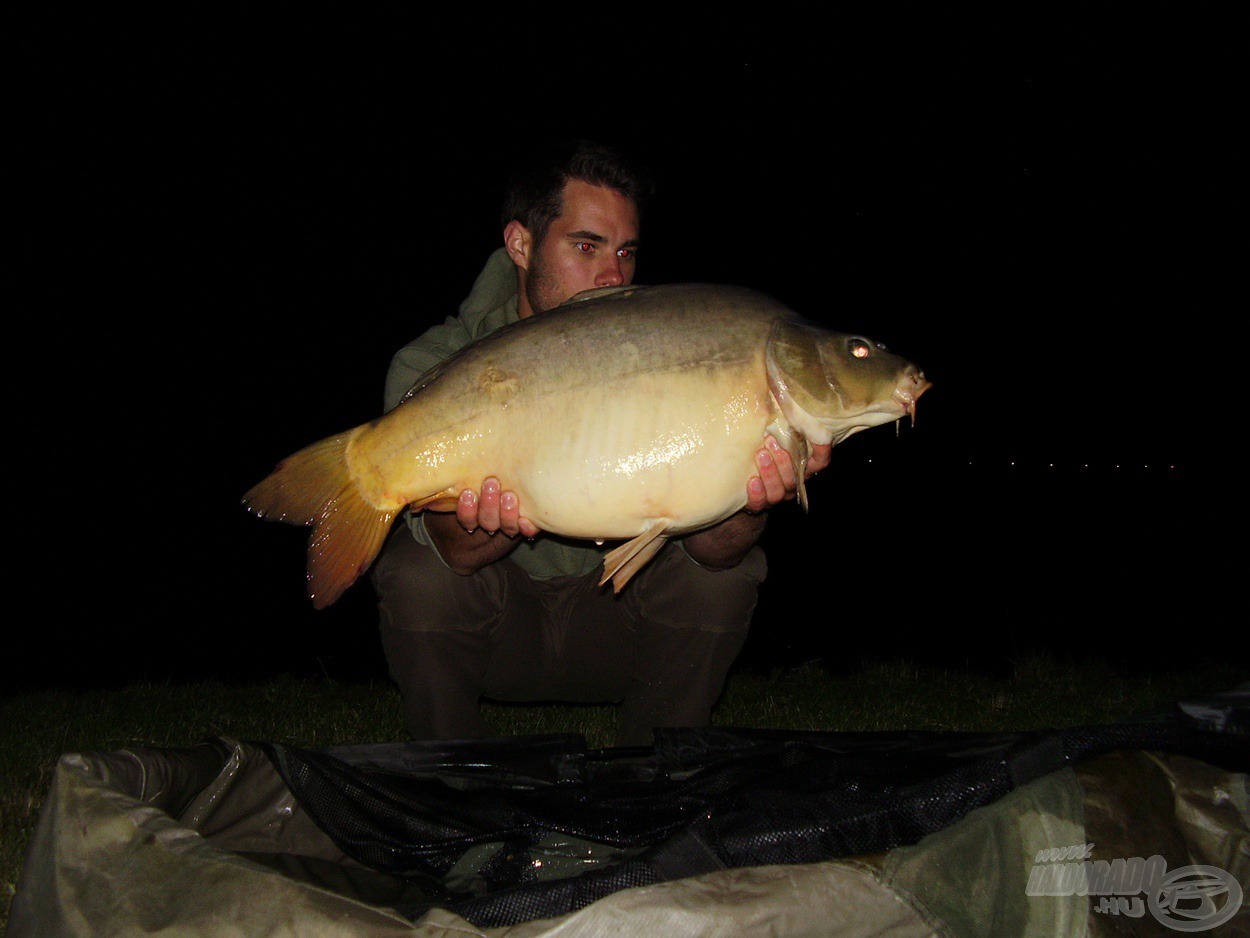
(225, 225)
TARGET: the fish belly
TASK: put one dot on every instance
(677, 447)
(591, 461)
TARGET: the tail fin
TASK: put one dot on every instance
(314, 487)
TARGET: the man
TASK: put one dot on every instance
(479, 602)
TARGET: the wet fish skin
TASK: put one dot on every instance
(628, 413)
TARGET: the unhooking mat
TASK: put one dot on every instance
(1137, 827)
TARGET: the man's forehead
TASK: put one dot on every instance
(581, 194)
(588, 209)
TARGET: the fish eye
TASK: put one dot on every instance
(859, 348)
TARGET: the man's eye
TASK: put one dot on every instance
(625, 254)
(585, 247)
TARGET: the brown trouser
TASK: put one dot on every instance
(661, 647)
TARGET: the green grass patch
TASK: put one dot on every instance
(36, 727)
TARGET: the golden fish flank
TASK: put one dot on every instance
(666, 452)
(629, 414)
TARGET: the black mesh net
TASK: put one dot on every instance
(505, 831)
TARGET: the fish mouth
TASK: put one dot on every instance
(910, 387)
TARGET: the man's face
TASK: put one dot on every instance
(591, 244)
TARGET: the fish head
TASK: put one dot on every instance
(830, 384)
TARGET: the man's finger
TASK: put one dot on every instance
(757, 498)
(466, 510)
(488, 506)
(509, 513)
(819, 458)
(785, 466)
(774, 487)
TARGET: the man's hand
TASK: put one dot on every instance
(724, 545)
(494, 511)
(777, 481)
(467, 540)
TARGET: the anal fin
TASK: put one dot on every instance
(621, 563)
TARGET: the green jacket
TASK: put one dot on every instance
(491, 304)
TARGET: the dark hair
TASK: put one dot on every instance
(536, 190)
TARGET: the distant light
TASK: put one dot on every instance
(1067, 467)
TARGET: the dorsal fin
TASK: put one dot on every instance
(598, 292)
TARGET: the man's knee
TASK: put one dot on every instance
(418, 592)
(680, 593)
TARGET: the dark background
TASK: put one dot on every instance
(225, 221)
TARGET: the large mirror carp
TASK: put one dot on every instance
(630, 413)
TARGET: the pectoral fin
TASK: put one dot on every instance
(797, 448)
(621, 563)
(800, 452)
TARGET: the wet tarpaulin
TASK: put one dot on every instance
(703, 833)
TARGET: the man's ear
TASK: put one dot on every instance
(518, 243)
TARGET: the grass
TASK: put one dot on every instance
(37, 726)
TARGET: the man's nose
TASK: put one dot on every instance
(610, 274)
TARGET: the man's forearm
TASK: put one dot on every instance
(724, 545)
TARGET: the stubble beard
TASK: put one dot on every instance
(542, 288)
